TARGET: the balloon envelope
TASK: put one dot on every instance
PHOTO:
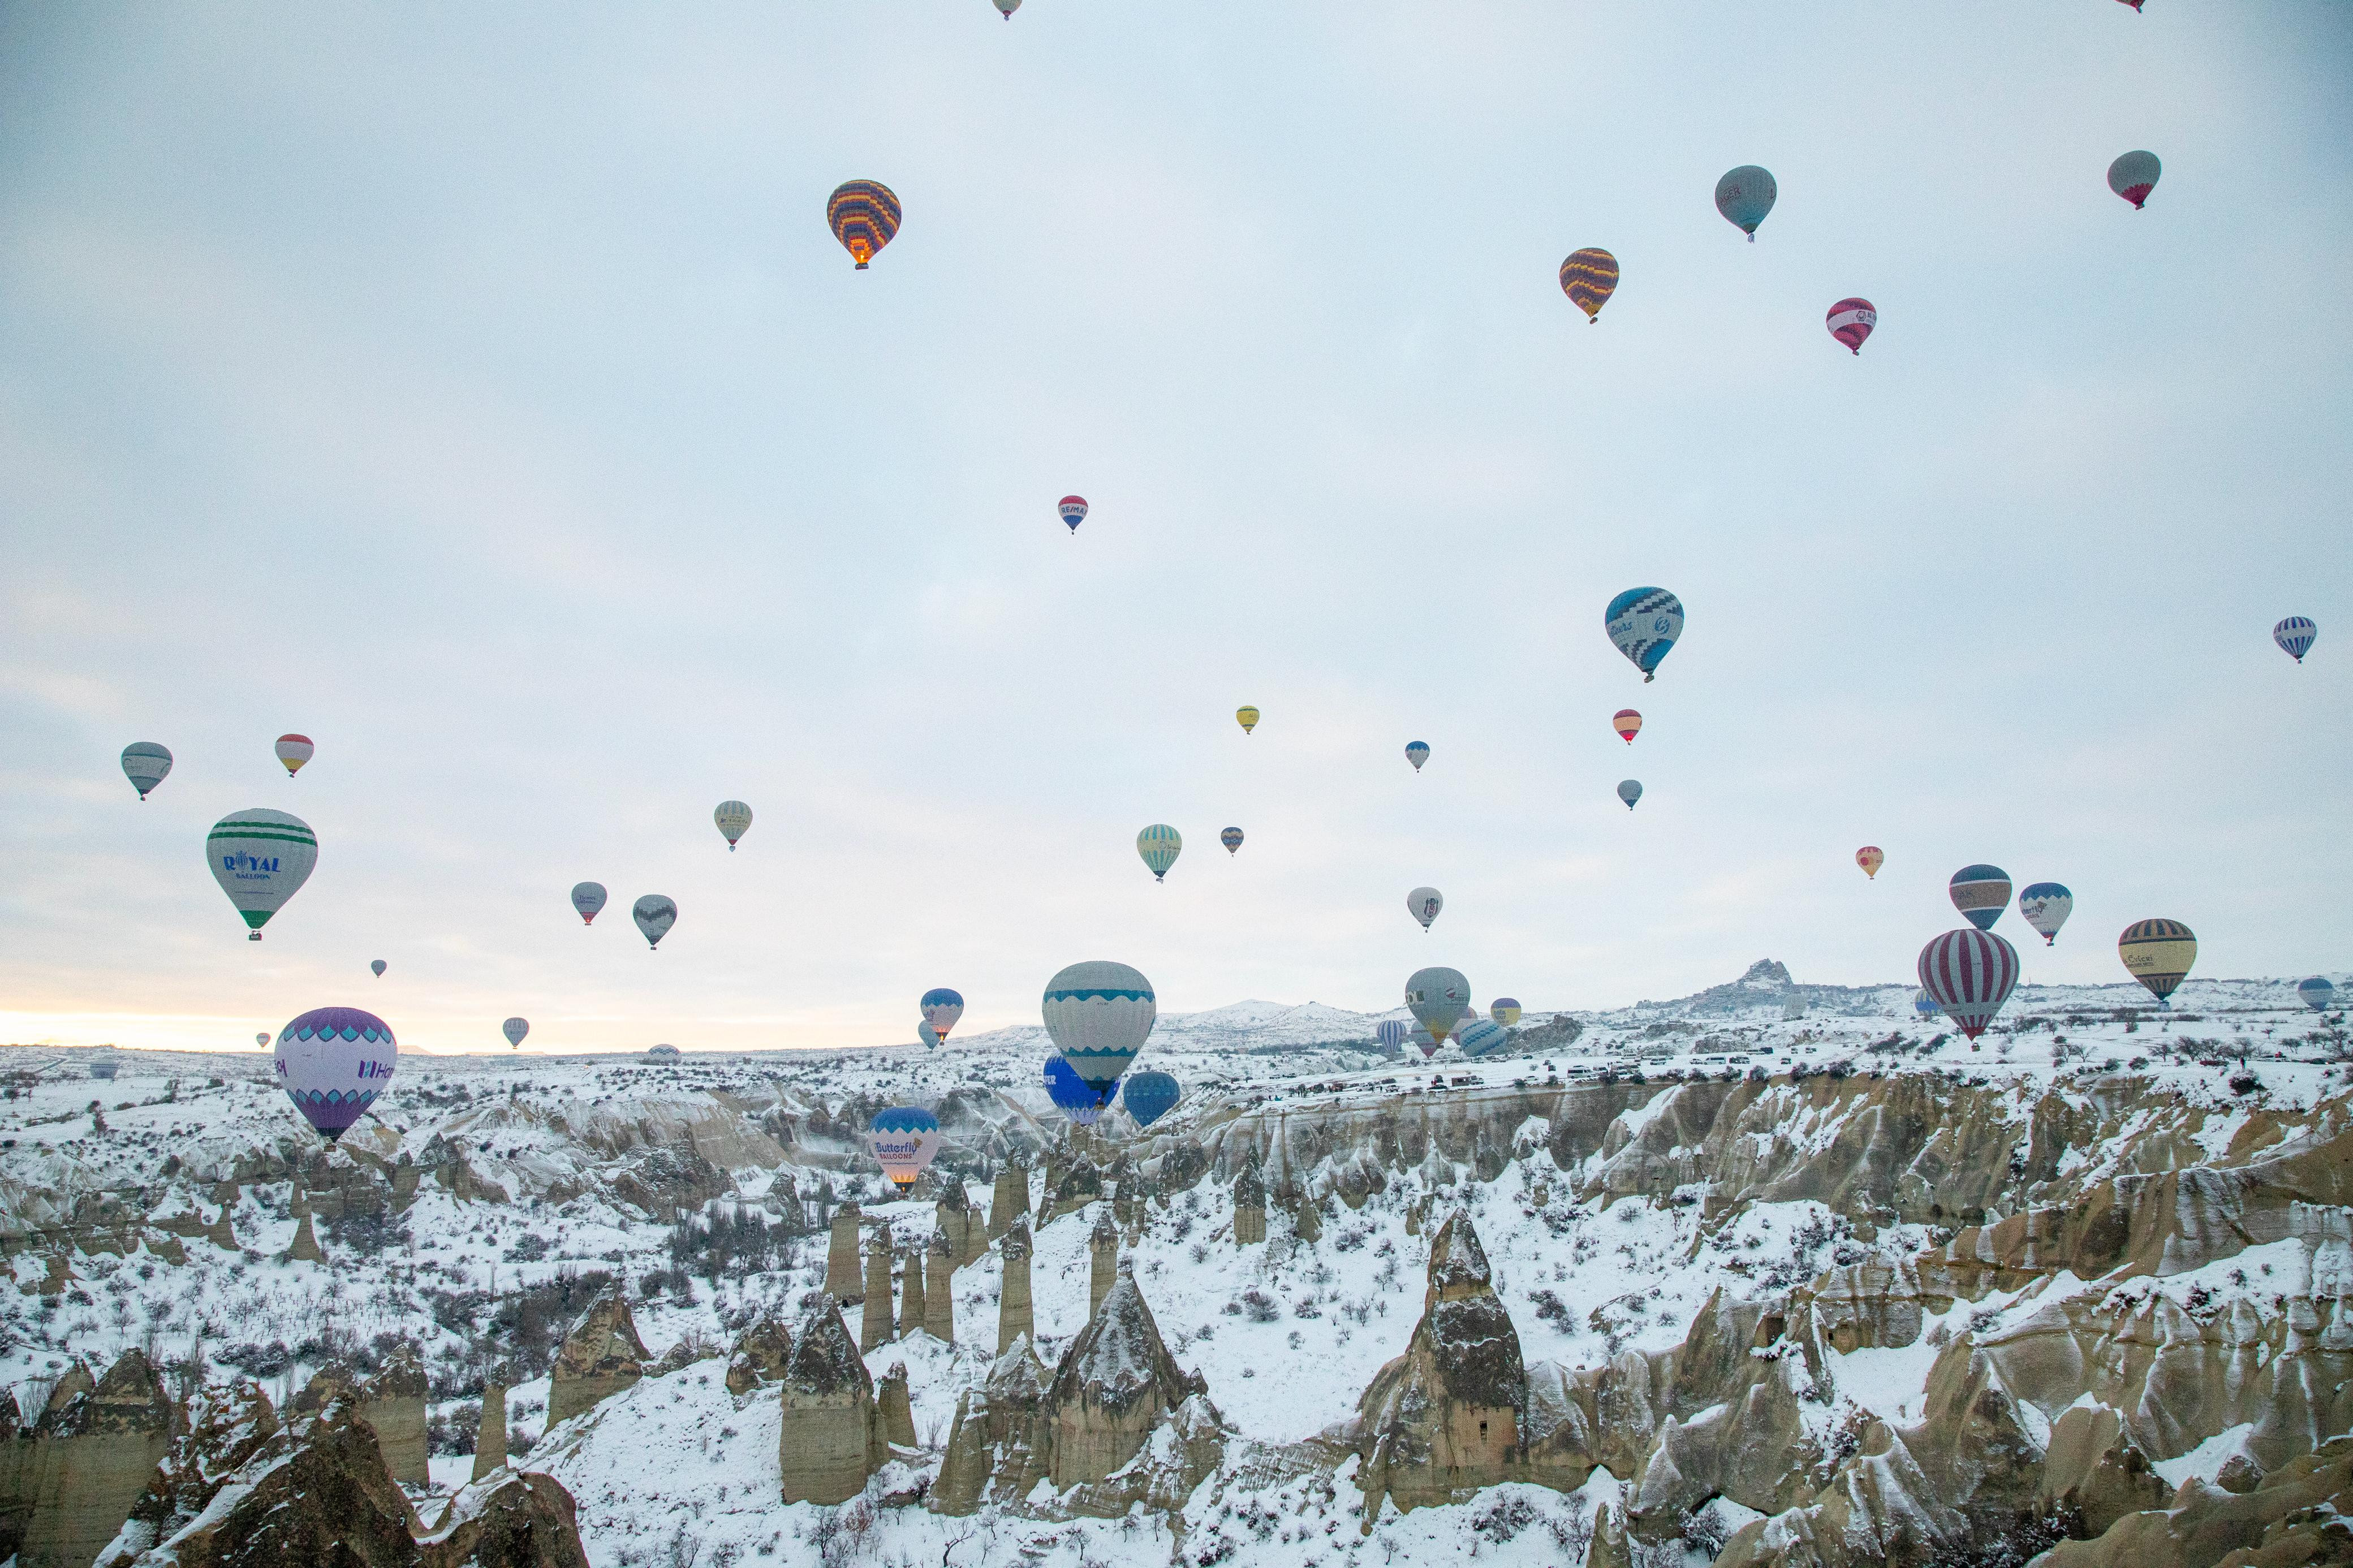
(1644, 624)
(1436, 997)
(1099, 1014)
(927, 1036)
(2315, 993)
(333, 1062)
(378, 966)
(587, 898)
(514, 1029)
(2133, 176)
(1005, 8)
(1247, 718)
(1072, 1095)
(1425, 1042)
(294, 751)
(1425, 904)
(941, 1008)
(904, 1140)
(1416, 752)
(1744, 196)
(1851, 322)
(1924, 1004)
(2158, 953)
(735, 819)
(1231, 838)
(260, 859)
(1628, 724)
(1970, 973)
(1629, 791)
(1870, 858)
(863, 215)
(1159, 845)
(1390, 1032)
(145, 763)
(1980, 893)
(655, 914)
(262, 1040)
(1073, 509)
(2045, 906)
(1588, 277)
(1148, 1096)
(1505, 1010)
(2294, 636)
(1481, 1037)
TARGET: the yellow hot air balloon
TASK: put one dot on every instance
(1247, 718)
(2158, 954)
(1588, 277)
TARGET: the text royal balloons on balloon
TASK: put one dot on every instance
(1425, 904)
(2315, 993)
(1969, 973)
(2045, 906)
(333, 1062)
(1416, 752)
(2295, 636)
(941, 1008)
(1643, 624)
(655, 914)
(294, 751)
(260, 859)
(145, 763)
(2158, 953)
(587, 898)
(377, 967)
(1870, 858)
(863, 215)
(1588, 277)
(1159, 845)
(514, 1029)
(903, 1139)
(1744, 196)
(1099, 1014)
(1628, 724)
(2133, 176)
(1436, 997)
(1247, 718)
(1851, 322)
(1980, 893)
(1629, 791)
(1148, 1096)
(1231, 838)
(734, 820)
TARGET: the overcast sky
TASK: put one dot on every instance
(478, 390)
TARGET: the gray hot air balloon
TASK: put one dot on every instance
(514, 1029)
(735, 819)
(587, 898)
(1425, 904)
(1436, 998)
(144, 763)
(1744, 196)
(655, 914)
(377, 968)
(2133, 176)
(1629, 791)
(261, 858)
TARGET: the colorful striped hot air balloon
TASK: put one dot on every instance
(1643, 624)
(2133, 176)
(1744, 196)
(1390, 1032)
(2045, 906)
(1628, 724)
(863, 215)
(1588, 277)
(1159, 845)
(1980, 893)
(2295, 636)
(145, 765)
(1629, 791)
(1924, 1004)
(260, 859)
(1231, 838)
(1870, 858)
(1416, 752)
(1969, 973)
(294, 751)
(2158, 953)
(1851, 321)
(1424, 904)
(1505, 1010)
(1247, 718)
(2315, 993)
(1073, 509)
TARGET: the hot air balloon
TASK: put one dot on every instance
(927, 1037)
(1099, 1015)
(1425, 1042)
(1005, 8)
(1870, 858)
(1481, 1037)
(1629, 791)
(2158, 954)
(1390, 1032)
(2315, 993)
(2294, 634)
(863, 215)
(2135, 5)
(1851, 321)
(1924, 1004)
(1644, 624)
(1416, 752)
(655, 915)
(1231, 838)
(1969, 973)
(1588, 277)
(2133, 176)
(145, 763)
(941, 1008)
(262, 1040)
(514, 1029)
(1980, 893)
(294, 751)
(1505, 1010)
(587, 898)
(1436, 998)
(1159, 845)
(1628, 724)
(261, 858)
(1247, 718)
(377, 965)
(1425, 904)
(734, 820)
(1073, 509)
(1148, 1096)
(333, 1062)
(903, 1139)
(1071, 1094)
(1744, 197)
(2045, 906)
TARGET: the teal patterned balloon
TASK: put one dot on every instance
(1744, 196)
(1644, 624)
(1159, 845)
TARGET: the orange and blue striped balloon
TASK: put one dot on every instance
(863, 215)
(1588, 277)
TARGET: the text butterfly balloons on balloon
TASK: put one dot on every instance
(904, 1140)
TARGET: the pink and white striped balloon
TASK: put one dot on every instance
(1970, 973)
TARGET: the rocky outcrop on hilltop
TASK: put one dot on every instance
(2299, 1514)
(226, 1426)
(831, 1438)
(599, 1357)
(760, 1356)
(1115, 1384)
(392, 1402)
(89, 1459)
(998, 1444)
(515, 1520)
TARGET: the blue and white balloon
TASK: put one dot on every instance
(1645, 623)
(2294, 636)
(2045, 906)
(1481, 1037)
(1099, 1014)
(1148, 1096)
(2315, 993)
(1072, 1095)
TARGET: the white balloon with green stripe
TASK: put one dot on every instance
(1099, 1015)
(1159, 845)
(261, 858)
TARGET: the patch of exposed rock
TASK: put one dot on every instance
(601, 1356)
